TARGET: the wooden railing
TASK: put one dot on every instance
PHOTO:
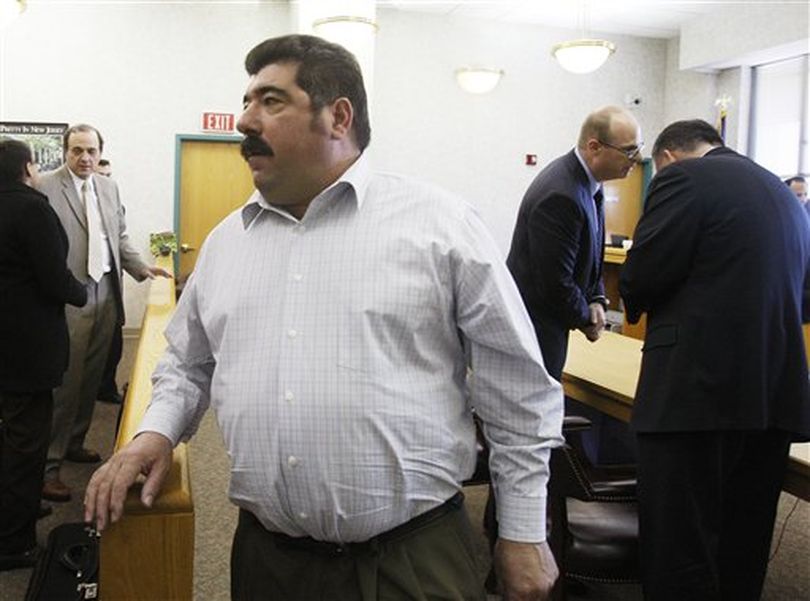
(149, 553)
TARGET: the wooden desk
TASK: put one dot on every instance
(615, 255)
(604, 375)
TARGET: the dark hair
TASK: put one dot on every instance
(14, 157)
(797, 179)
(686, 135)
(81, 127)
(326, 72)
(103, 163)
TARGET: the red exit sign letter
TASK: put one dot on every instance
(222, 122)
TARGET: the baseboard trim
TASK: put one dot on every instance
(131, 332)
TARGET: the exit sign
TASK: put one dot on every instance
(218, 122)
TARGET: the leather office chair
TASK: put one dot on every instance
(595, 508)
(593, 517)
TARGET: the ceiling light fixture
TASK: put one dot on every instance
(10, 10)
(586, 54)
(583, 55)
(478, 80)
(343, 24)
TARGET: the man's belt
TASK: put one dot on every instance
(369, 547)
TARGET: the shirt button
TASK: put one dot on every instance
(289, 396)
(292, 333)
(303, 515)
(293, 461)
(298, 277)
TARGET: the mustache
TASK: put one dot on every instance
(254, 145)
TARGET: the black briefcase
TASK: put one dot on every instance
(68, 570)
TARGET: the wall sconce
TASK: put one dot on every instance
(584, 55)
(478, 80)
(10, 10)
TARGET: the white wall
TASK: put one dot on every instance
(741, 32)
(141, 74)
(714, 54)
(424, 124)
(688, 94)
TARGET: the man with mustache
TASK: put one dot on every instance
(344, 324)
(90, 210)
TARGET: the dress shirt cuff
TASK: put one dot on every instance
(522, 519)
(601, 300)
(163, 421)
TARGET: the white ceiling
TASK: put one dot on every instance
(647, 18)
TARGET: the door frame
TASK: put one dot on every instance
(178, 147)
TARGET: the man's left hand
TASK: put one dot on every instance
(527, 571)
(153, 272)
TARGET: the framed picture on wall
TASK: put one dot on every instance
(45, 140)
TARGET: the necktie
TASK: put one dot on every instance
(598, 200)
(94, 267)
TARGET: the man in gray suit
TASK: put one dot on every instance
(90, 211)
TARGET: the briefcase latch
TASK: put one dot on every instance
(88, 590)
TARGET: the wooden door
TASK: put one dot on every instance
(213, 181)
(623, 202)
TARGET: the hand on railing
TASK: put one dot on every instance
(148, 454)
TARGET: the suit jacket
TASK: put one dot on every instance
(35, 284)
(720, 260)
(64, 199)
(557, 250)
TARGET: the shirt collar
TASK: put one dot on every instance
(594, 185)
(79, 182)
(356, 178)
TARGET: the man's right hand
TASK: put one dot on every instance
(597, 323)
(149, 454)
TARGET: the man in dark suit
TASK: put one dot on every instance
(558, 250)
(798, 185)
(89, 209)
(720, 260)
(558, 243)
(35, 284)
(557, 253)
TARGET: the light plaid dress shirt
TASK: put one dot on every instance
(335, 353)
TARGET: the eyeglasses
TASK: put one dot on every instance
(631, 153)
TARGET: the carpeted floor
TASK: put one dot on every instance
(788, 575)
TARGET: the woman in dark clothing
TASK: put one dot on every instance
(35, 284)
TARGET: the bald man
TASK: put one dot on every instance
(557, 252)
(558, 243)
